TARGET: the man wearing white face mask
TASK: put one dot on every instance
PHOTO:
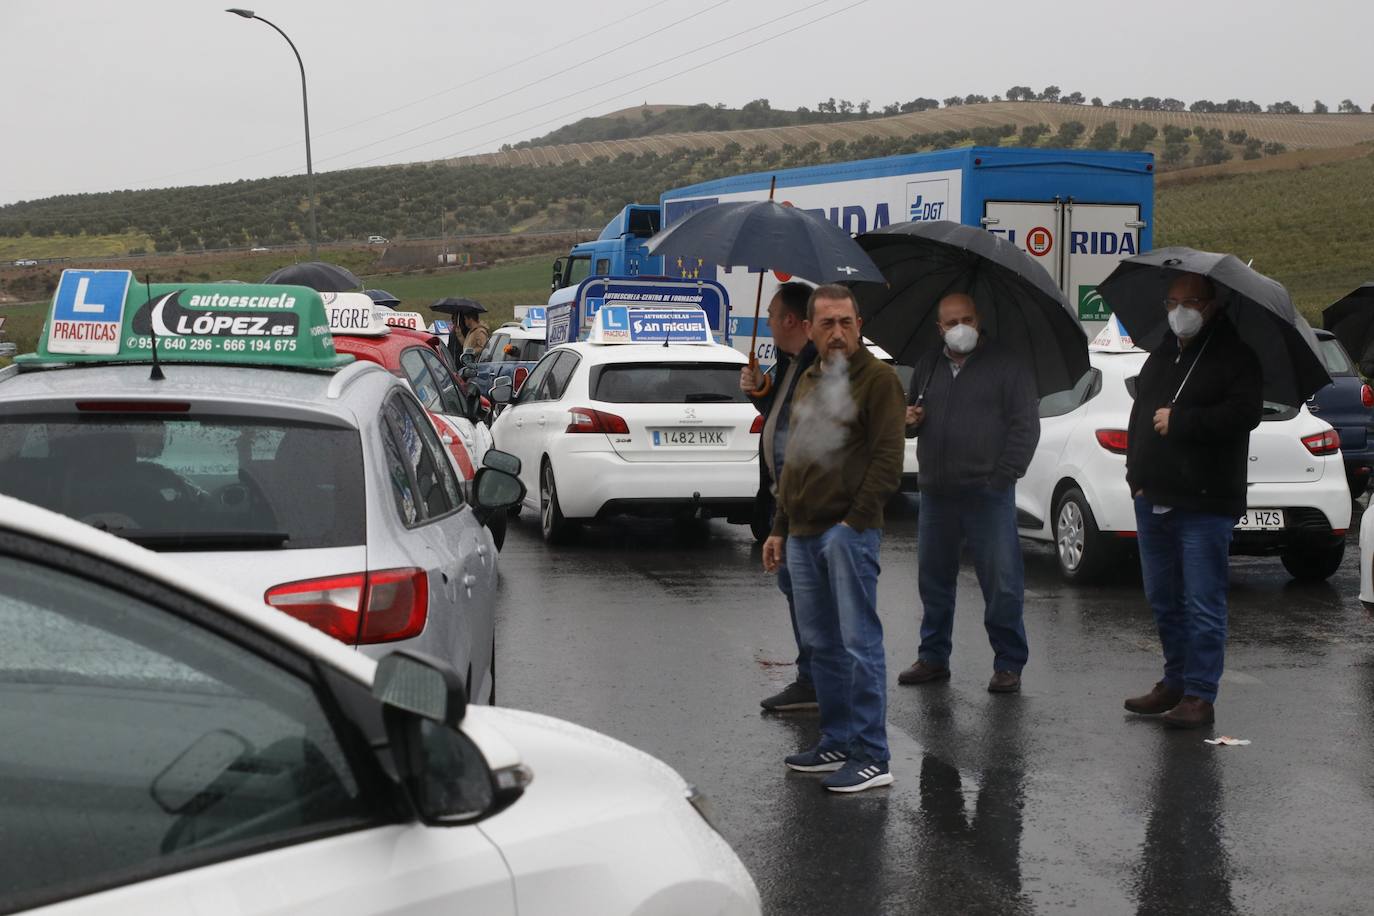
(977, 422)
(1197, 398)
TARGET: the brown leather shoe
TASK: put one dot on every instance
(1004, 682)
(923, 673)
(1159, 700)
(1191, 712)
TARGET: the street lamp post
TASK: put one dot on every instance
(305, 105)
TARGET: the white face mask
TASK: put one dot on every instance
(961, 338)
(1185, 322)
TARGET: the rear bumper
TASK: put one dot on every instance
(1304, 528)
(598, 484)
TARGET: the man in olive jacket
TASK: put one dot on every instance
(843, 462)
(1197, 398)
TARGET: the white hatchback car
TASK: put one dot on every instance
(633, 429)
(173, 747)
(1075, 495)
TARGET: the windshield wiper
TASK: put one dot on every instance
(170, 541)
(696, 397)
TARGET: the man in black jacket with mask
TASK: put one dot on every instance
(795, 354)
(1197, 398)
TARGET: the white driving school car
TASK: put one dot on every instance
(1075, 495)
(174, 747)
(259, 456)
(616, 426)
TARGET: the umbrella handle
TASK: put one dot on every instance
(767, 386)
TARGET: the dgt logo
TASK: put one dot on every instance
(926, 200)
(923, 210)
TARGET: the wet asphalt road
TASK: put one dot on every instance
(1050, 801)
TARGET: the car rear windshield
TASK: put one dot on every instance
(178, 483)
(668, 383)
(1335, 358)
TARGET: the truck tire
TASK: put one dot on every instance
(554, 526)
(496, 524)
(1084, 554)
(1314, 564)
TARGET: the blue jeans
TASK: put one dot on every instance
(1184, 560)
(835, 590)
(803, 650)
(987, 519)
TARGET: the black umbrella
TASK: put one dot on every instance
(1259, 307)
(456, 305)
(1018, 303)
(381, 297)
(1351, 319)
(765, 235)
(318, 275)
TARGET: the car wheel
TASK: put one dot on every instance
(1314, 564)
(761, 522)
(1084, 554)
(554, 526)
(496, 524)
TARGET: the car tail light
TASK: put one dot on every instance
(757, 427)
(521, 373)
(135, 406)
(587, 420)
(1367, 396)
(1113, 440)
(1323, 443)
(366, 607)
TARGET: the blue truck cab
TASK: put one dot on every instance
(619, 251)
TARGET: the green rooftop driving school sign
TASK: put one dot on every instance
(104, 316)
(1091, 305)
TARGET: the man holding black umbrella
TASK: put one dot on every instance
(796, 353)
(1197, 398)
(978, 423)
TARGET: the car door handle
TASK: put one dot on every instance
(541, 421)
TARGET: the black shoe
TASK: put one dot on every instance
(795, 695)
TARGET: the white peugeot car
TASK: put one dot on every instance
(633, 429)
(173, 747)
(1075, 495)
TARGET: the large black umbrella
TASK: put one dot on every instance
(1018, 303)
(1351, 319)
(318, 275)
(455, 305)
(1259, 307)
(765, 235)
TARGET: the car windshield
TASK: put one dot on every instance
(181, 483)
(668, 383)
(1334, 357)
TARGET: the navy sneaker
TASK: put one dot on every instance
(794, 696)
(816, 761)
(857, 775)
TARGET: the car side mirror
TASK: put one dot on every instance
(443, 772)
(557, 283)
(469, 358)
(501, 461)
(467, 373)
(497, 489)
(502, 391)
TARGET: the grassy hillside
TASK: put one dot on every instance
(1309, 228)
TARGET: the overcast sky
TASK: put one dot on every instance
(101, 95)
